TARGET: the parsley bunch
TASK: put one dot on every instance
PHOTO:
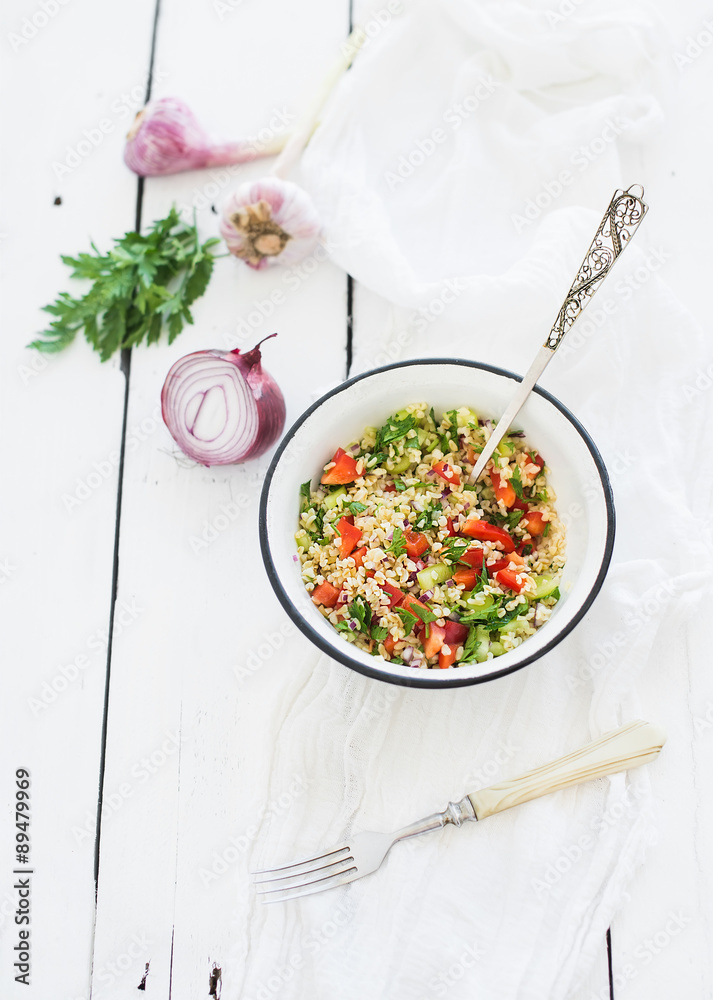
(143, 284)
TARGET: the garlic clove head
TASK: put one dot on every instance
(270, 221)
(166, 138)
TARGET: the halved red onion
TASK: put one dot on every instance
(221, 407)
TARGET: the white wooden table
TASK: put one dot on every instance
(100, 521)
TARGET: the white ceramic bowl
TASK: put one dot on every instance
(576, 471)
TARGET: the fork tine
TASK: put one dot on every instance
(281, 895)
(301, 862)
(306, 877)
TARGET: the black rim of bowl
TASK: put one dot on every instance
(453, 679)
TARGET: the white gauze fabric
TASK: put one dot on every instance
(475, 242)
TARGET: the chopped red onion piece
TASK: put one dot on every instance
(295, 559)
(407, 654)
(427, 595)
(353, 625)
(446, 493)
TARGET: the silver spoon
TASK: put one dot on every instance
(621, 220)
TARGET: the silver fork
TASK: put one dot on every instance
(362, 854)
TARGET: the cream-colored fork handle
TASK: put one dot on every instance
(628, 747)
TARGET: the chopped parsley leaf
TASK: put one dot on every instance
(398, 544)
(379, 633)
(361, 612)
(455, 548)
(516, 482)
(425, 614)
(356, 508)
(471, 647)
(407, 618)
(394, 430)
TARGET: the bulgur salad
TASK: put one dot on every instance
(411, 562)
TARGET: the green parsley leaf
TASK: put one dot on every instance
(379, 633)
(555, 595)
(407, 618)
(144, 284)
(514, 518)
(398, 544)
(425, 614)
(400, 485)
(546, 532)
(516, 482)
(455, 548)
(470, 487)
(356, 508)
(305, 494)
(361, 612)
(425, 519)
(394, 430)
(470, 648)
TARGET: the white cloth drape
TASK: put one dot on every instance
(461, 171)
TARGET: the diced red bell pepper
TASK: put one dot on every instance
(495, 566)
(534, 522)
(416, 544)
(471, 454)
(444, 470)
(326, 594)
(504, 490)
(358, 556)
(343, 471)
(446, 660)
(508, 578)
(434, 640)
(389, 643)
(395, 595)
(474, 557)
(465, 578)
(456, 634)
(451, 530)
(520, 504)
(537, 459)
(488, 533)
(350, 537)
(524, 548)
(389, 488)
(370, 574)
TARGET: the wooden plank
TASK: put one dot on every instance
(189, 550)
(64, 184)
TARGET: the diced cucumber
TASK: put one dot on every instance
(483, 636)
(422, 436)
(302, 539)
(332, 499)
(401, 415)
(431, 575)
(545, 586)
(400, 466)
(477, 608)
(505, 448)
(471, 418)
(497, 648)
(515, 624)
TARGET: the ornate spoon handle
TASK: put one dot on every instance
(621, 220)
